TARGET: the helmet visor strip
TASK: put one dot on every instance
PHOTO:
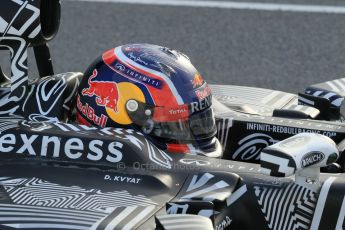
(167, 124)
(199, 126)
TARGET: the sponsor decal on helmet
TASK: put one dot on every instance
(181, 110)
(201, 105)
(203, 93)
(164, 114)
(134, 75)
(137, 59)
(129, 92)
(312, 158)
(106, 92)
(89, 112)
(56, 147)
(197, 81)
(132, 48)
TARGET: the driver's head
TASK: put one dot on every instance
(152, 89)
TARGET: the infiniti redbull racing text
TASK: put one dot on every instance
(58, 147)
(106, 92)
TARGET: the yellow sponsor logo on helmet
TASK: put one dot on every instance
(127, 91)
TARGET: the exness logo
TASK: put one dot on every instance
(57, 147)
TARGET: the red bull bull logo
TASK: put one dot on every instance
(197, 81)
(106, 92)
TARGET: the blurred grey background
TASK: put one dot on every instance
(284, 50)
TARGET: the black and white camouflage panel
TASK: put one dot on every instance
(295, 206)
(49, 99)
(275, 163)
(328, 97)
(252, 100)
(181, 222)
(77, 177)
(52, 205)
(330, 208)
(21, 25)
(246, 125)
(336, 86)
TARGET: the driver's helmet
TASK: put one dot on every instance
(152, 89)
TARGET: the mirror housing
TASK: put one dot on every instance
(301, 155)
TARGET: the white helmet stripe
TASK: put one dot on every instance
(118, 52)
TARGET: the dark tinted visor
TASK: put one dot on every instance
(199, 126)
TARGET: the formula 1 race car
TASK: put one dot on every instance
(56, 174)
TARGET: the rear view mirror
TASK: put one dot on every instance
(302, 155)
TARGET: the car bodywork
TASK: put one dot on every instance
(55, 174)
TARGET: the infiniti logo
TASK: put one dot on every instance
(120, 67)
